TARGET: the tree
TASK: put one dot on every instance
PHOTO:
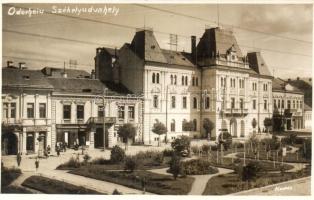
(208, 125)
(131, 163)
(117, 154)
(127, 131)
(268, 122)
(181, 145)
(175, 166)
(306, 149)
(159, 129)
(225, 139)
(250, 171)
(187, 126)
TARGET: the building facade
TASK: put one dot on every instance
(214, 82)
(42, 108)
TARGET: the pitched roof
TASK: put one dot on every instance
(217, 40)
(178, 58)
(257, 63)
(281, 85)
(145, 45)
(307, 107)
(15, 77)
(71, 73)
(83, 85)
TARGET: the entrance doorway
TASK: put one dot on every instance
(30, 142)
(233, 127)
(242, 128)
(99, 138)
(82, 138)
(9, 144)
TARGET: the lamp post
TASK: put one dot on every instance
(103, 110)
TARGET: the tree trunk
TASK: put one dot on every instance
(159, 140)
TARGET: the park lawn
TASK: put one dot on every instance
(231, 183)
(8, 175)
(155, 183)
(14, 190)
(290, 157)
(266, 166)
(51, 186)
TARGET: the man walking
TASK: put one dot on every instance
(18, 159)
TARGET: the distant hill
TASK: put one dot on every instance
(305, 85)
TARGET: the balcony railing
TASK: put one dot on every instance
(11, 121)
(101, 120)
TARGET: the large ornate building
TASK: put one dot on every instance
(42, 108)
(214, 82)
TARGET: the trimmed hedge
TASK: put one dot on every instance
(197, 167)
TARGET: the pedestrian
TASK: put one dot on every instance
(18, 159)
(37, 164)
(48, 150)
(64, 146)
(58, 150)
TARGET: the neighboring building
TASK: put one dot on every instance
(288, 104)
(41, 108)
(26, 111)
(307, 117)
(214, 82)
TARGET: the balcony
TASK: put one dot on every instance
(236, 112)
(11, 121)
(101, 120)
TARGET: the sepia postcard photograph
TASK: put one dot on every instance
(156, 98)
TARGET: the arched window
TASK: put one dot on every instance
(157, 77)
(171, 79)
(153, 78)
(207, 100)
(222, 82)
(183, 124)
(186, 80)
(173, 126)
(195, 103)
(196, 81)
(182, 80)
(175, 79)
(194, 125)
(193, 81)
(173, 102)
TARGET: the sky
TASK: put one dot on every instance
(281, 32)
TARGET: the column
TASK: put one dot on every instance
(112, 140)
(92, 139)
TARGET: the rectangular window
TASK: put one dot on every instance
(265, 104)
(155, 102)
(289, 104)
(80, 111)
(301, 106)
(275, 104)
(241, 103)
(42, 110)
(5, 110)
(254, 104)
(207, 103)
(278, 103)
(184, 102)
(66, 111)
(232, 103)
(282, 103)
(30, 110)
(121, 112)
(131, 112)
(173, 102)
(293, 103)
(13, 110)
(100, 111)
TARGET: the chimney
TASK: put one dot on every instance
(310, 79)
(298, 78)
(93, 74)
(9, 62)
(193, 47)
(22, 65)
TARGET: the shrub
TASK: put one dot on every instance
(250, 171)
(71, 163)
(237, 144)
(100, 161)
(175, 167)
(131, 163)
(205, 148)
(116, 192)
(306, 149)
(181, 144)
(86, 158)
(195, 149)
(168, 152)
(197, 167)
(225, 139)
(117, 154)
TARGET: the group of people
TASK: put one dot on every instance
(61, 146)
